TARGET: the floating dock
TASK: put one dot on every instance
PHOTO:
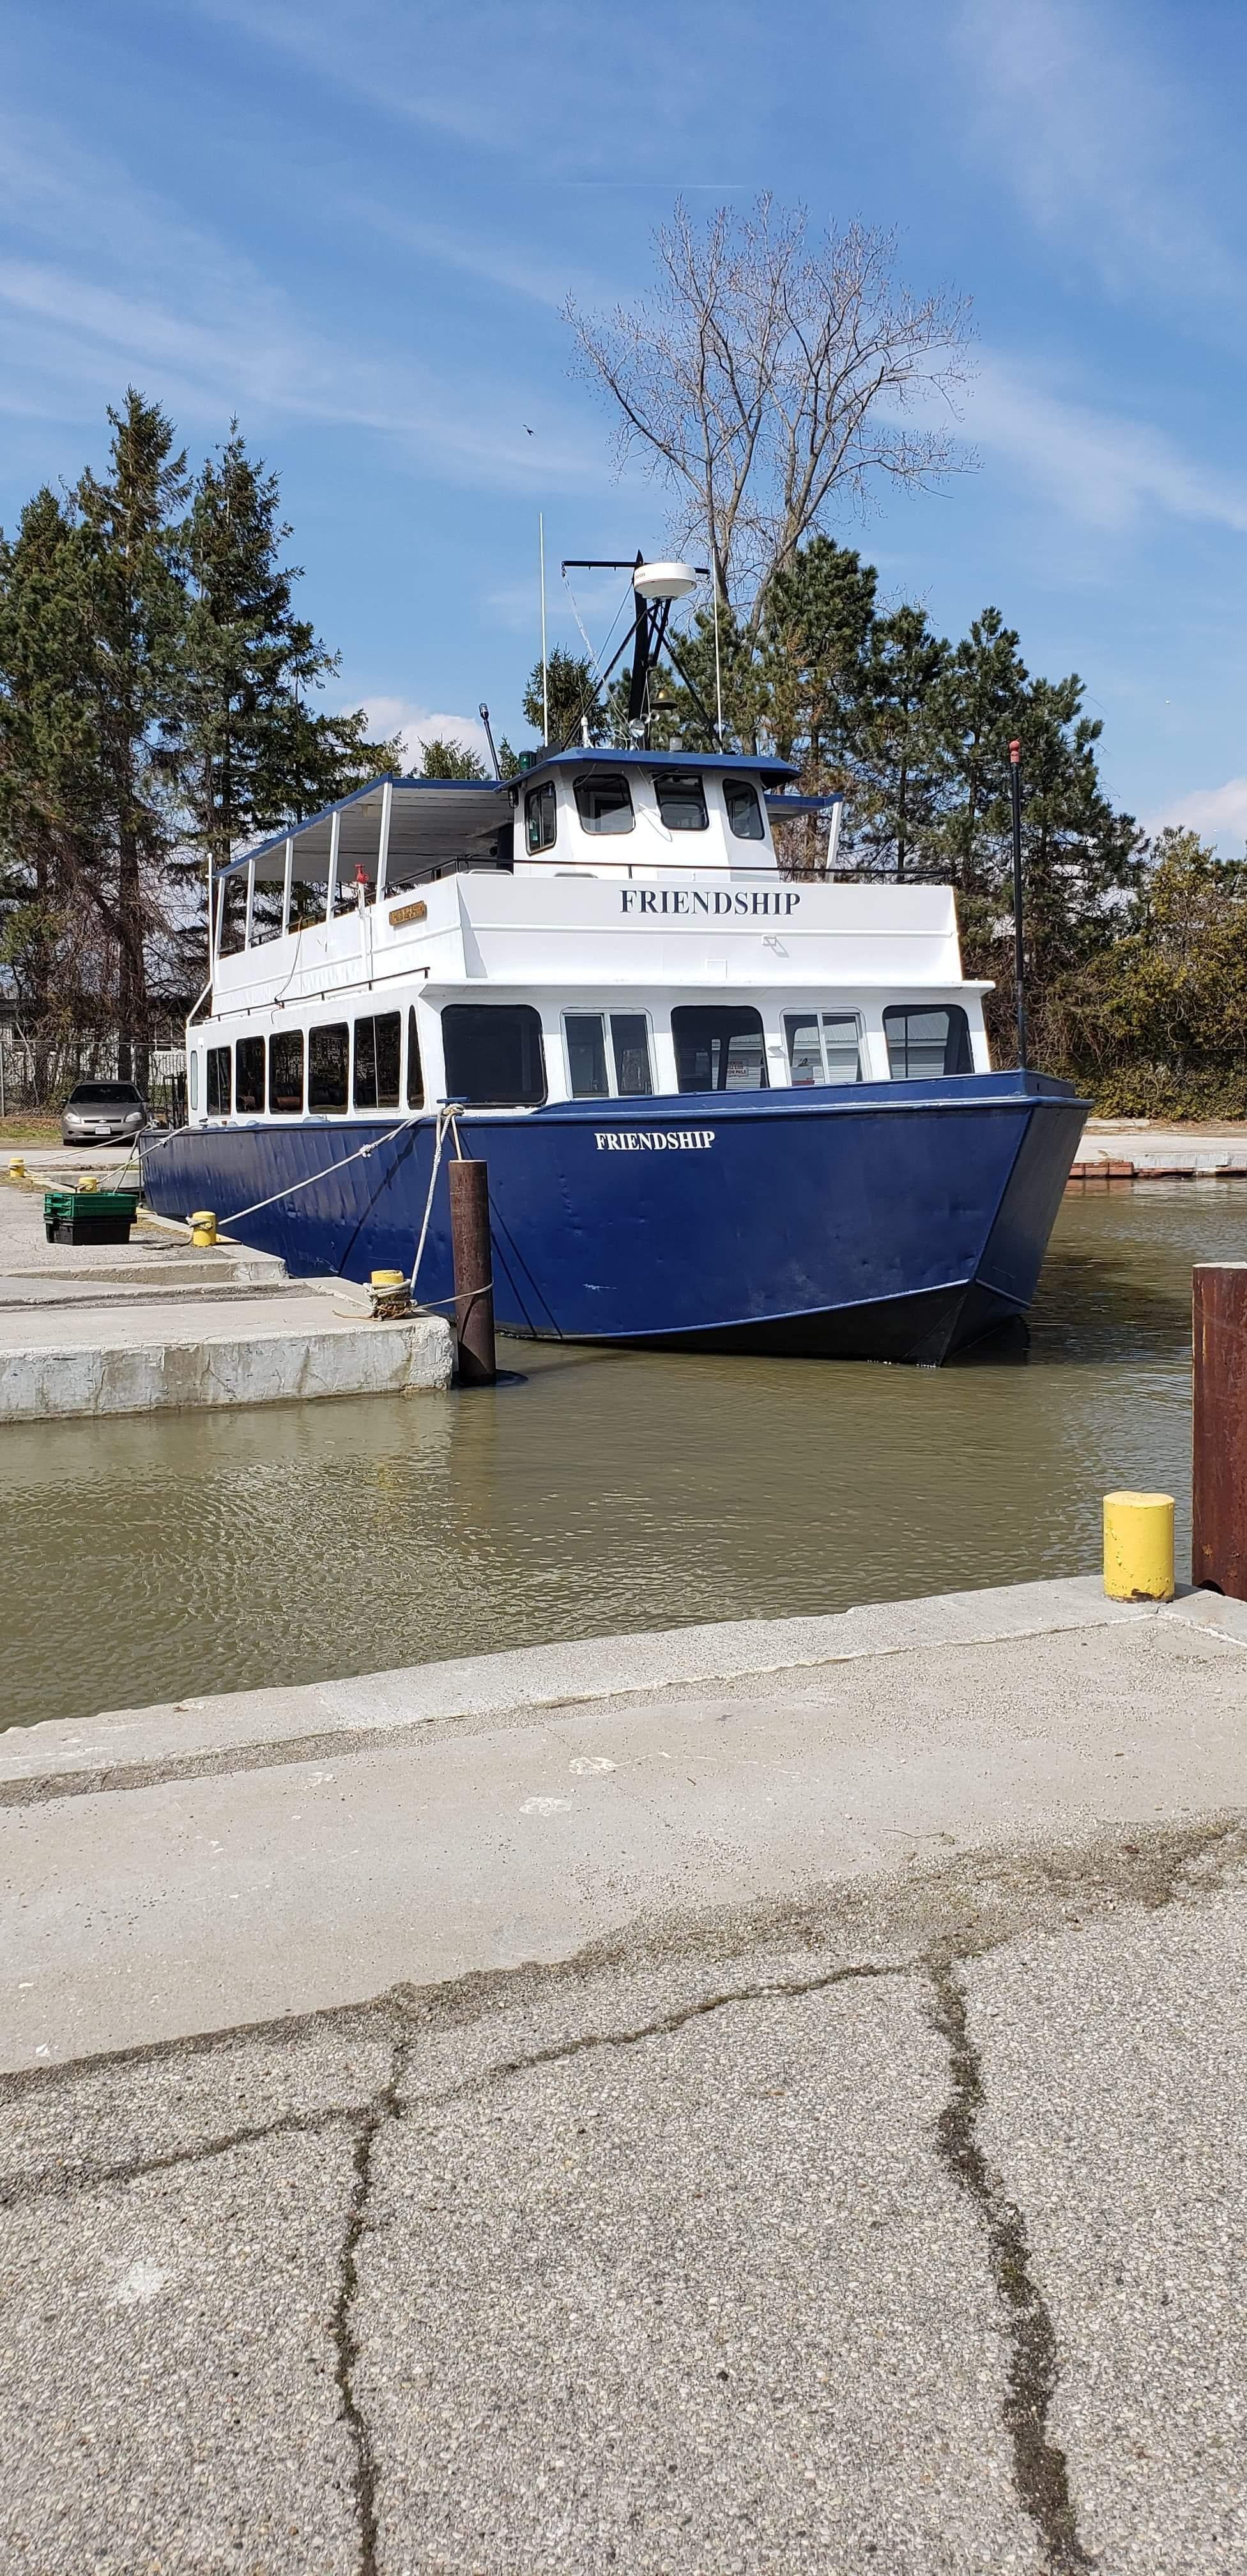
(155, 1325)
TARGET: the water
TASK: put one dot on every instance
(146, 1560)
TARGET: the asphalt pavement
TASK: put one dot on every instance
(863, 2190)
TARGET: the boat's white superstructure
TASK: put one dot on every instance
(599, 886)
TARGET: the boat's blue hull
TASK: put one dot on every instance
(894, 1221)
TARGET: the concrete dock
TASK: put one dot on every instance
(1123, 1149)
(739, 2098)
(154, 1324)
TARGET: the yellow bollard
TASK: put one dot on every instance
(17, 1168)
(87, 1181)
(203, 1229)
(386, 1281)
(1138, 1547)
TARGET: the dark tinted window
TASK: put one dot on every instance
(249, 1076)
(719, 1048)
(604, 803)
(285, 1073)
(540, 817)
(218, 1082)
(113, 1095)
(681, 799)
(630, 1039)
(924, 1042)
(327, 1053)
(743, 810)
(586, 1055)
(415, 1071)
(493, 1053)
(378, 1045)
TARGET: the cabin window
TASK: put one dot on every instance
(585, 1033)
(719, 1048)
(493, 1054)
(378, 1045)
(328, 1055)
(587, 1055)
(218, 1082)
(285, 1074)
(541, 817)
(193, 1073)
(415, 1070)
(634, 1078)
(249, 1076)
(823, 1046)
(681, 800)
(923, 1042)
(744, 813)
(604, 802)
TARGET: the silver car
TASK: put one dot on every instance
(103, 1113)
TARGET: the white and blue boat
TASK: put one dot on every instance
(722, 1106)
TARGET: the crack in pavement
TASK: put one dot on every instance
(383, 2108)
(1040, 2473)
(51, 2182)
(986, 1900)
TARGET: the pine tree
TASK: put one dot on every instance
(133, 535)
(900, 760)
(443, 759)
(574, 696)
(256, 754)
(49, 778)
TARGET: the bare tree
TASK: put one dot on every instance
(770, 370)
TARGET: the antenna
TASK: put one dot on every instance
(545, 667)
(718, 675)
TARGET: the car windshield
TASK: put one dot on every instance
(105, 1095)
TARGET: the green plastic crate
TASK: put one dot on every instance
(89, 1216)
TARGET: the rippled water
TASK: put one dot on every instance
(598, 1490)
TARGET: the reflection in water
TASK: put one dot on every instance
(602, 1490)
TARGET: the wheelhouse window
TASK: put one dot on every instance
(415, 1070)
(285, 1074)
(719, 1048)
(823, 1046)
(378, 1046)
(681, 800)
(585, 1032)
(604, 802)
(193, 1071)
(541, 821)
(218, 1082)
(923, 1042)
(591, 1057)
(328, 1056)
(744, 813)
(493, 1054)
(249, 1076)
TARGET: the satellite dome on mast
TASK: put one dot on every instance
(664, 580)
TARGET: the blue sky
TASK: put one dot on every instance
(355, 225)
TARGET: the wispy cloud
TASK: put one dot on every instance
(1218, 813)
(1100, 467)
(1099, 143)
(416, 726)
(210, 334)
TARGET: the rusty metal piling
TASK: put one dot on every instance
(1219, 1441)
(474, 1275)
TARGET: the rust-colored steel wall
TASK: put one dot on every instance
(474, 1272)
(1219, 1464)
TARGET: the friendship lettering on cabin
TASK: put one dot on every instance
(652, 1140)
(683, 900)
